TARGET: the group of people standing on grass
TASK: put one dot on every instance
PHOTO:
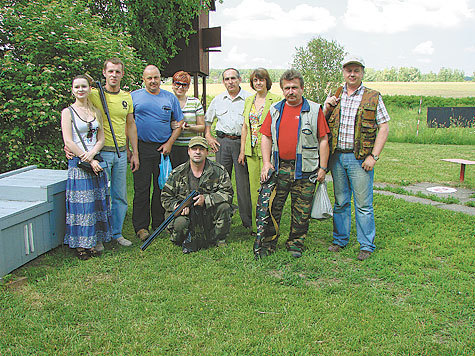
(261, 136)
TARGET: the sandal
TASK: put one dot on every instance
(82, 253)
(94, 253)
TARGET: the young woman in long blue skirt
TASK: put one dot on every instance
(88, 215)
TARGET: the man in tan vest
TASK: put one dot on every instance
(358, 122)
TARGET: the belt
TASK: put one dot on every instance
(288, 161)
(343, 151)
(112, 148)
(224, 135)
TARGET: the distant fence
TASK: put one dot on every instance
(454, 116)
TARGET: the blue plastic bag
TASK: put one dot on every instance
(165, 170)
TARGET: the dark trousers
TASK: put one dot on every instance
(179, 155)
(216, 219)
(228, 155)
(149, 171)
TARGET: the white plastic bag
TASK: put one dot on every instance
(165, 170)
(322, 207)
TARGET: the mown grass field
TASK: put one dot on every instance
(414, 296)
(445, 89)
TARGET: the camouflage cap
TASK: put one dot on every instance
(198, 141)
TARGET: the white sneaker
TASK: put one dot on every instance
(99, 246)
(123, 241)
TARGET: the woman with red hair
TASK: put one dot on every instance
(193, 122)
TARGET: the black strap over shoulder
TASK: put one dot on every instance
(71, 109)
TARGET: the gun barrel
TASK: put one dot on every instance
(169, 219)
(106, 110)
(157, 232)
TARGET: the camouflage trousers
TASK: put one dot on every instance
(202, 227)
(301, 193)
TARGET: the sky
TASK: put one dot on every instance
(426, 34)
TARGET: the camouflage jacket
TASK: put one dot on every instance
(214, 184)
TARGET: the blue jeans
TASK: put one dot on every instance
(350, 178)
(116, 175)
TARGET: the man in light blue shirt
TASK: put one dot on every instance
(227, 108)
(154, 109)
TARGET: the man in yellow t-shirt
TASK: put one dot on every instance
(121, 113)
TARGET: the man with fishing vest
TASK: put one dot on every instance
(358, 122)
(295, 144)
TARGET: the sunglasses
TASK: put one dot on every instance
(180, 84)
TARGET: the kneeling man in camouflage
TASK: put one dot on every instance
(207, 222)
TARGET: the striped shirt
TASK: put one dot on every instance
(191, 111)
(348, 109)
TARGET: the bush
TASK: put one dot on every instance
(43, 45)
(412, 101)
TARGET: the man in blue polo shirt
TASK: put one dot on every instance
(154, 109)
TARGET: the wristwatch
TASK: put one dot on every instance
(325, 169)
(374, 156)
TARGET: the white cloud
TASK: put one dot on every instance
(261, 20)
(470, 49)
(260, 60)
(425, 48)
(424, 60)
(237, 56)
(392, 16)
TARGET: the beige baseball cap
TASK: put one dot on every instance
(198, 141)
(352, 59)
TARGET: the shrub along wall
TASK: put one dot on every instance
(412, 101)
(38, 59)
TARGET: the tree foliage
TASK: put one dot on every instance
(411, 74)
(154, 25)
(320, 64)
(43, 45)
(216, 75)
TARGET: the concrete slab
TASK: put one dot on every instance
(463, 195)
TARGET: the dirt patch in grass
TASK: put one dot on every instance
(276, 273)
(323, 282)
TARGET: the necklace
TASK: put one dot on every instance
(87, 112)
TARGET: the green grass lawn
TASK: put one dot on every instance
(405, 163)
(403, 128)
(414, 296)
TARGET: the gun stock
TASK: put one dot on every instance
(186, 202)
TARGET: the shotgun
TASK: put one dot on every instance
(186, 202)
(106, 110)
